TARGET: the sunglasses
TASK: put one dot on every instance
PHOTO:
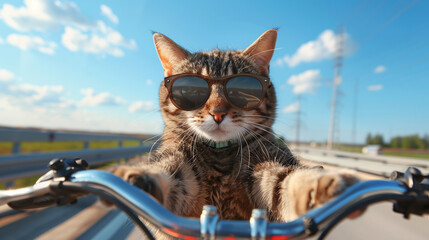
(191, 91)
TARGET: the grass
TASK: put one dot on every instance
(406, 154)
(5, 147)
(347, 148)
(397, 153)
(39, 147)
(35, 147)
(24, 182)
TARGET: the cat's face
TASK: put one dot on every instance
(218, 119)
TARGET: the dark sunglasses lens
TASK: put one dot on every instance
(190, 92)
(244, 92)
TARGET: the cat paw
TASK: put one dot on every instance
(311, 188)
(148, 180)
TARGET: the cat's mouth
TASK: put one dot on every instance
(220, 137)
(223, 132)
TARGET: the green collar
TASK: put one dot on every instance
(221, 144)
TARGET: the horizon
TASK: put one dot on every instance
(92, 65)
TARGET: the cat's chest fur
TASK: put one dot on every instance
(222, 180)
(228, 195)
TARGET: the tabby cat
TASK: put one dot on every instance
(218, 147)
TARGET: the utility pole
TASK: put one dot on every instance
(298, 121)
(338, 63)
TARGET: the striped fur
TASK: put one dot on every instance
(185, 173)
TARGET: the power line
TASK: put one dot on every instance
(388, 21)
(356, 10)
(391, 20)
(374, 13)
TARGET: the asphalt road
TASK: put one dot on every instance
(380, 222)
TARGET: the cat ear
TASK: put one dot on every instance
(262, 49)
(169, 53)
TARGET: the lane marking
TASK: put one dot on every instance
(77, 225)
(112, 227)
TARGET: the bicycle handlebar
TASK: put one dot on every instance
(107, 185)
(39, 189)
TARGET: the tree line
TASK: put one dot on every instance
(406, 142)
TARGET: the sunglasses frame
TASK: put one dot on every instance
(264, 80)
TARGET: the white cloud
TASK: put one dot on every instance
(306, 82)
(6, 76)
(26, 43)
(103, 98)
(375, 88)
(50, 99)
(74, 40)
(292, 108)
(78, 119)
(106, 11)
(28, 105)
(141, 106)
(29, 97)
(322, 48)
(33, 94)
(80, 34)
(44, 15)
(108, 41)
(380, 69)
(6, 80)
(149, 82)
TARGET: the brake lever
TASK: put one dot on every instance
(418, 191)
(61, 170)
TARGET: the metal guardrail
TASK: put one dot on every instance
(16, 136)
(19, 165)
(376, 165)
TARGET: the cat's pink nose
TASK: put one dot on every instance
(218, 116)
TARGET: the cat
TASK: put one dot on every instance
(216, 150)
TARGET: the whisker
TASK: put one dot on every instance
(261, 116)
(269, 141)
(241, 154)
(248, 149)
(263, 147)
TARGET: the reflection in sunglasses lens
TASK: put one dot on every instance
(190, 92)
(244, 92)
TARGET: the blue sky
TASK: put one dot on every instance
(92, 65)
